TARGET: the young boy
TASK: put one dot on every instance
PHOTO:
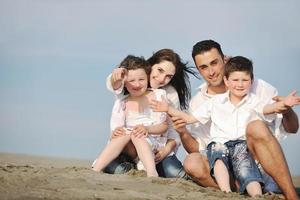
(229, 114)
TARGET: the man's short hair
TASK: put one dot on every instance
(204, 46)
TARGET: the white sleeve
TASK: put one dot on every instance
(118, 115)
(203, 112)
(172, 97)
(173, 100)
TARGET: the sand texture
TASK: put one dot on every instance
(32, 177)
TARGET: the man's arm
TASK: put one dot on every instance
(189, 143)
(290, 120)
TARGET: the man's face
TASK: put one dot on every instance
(210, 65)
(161, 74)
(238, 83)
(137, 82)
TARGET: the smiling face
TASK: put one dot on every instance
(161, 74)
(137, 82)
(210, 65)
(239, 84)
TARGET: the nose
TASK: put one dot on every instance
(211, 71)
(162, 80)
(136, 84)
(240, 83)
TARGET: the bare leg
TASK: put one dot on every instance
(110, 152)
(197, 167)
(254, 188)
(222, 176)
(146, 155)
(265, 147)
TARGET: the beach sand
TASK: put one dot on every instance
(34, 177)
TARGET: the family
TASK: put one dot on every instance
(230, 128)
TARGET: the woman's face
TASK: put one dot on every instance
(137, 82)
(161, 74)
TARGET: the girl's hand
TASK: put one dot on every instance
(159, 106)
(118, 132)
(119, 75)
(139, 131)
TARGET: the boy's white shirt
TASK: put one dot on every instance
(172, 98)
(263, 90)
(228, 121)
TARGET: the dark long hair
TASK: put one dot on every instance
(180, 80)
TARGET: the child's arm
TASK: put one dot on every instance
(115, 81)
(283, 105)
(163, 106)
(158, 129)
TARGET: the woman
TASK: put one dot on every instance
(168, 72)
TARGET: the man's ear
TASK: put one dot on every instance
(226, 58)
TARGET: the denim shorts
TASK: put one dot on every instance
(237, 159)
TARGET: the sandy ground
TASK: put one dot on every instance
(32, 177)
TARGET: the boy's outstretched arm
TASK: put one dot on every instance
(282, 105)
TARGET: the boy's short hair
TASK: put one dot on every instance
(204, 46)
(238, 63)
(133, 62)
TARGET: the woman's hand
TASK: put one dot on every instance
(159, 106)
(160, 154)
(139, 131)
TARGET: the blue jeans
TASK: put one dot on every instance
(120, 165)
(170, 167)
(237, 159)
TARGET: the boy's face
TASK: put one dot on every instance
(238, 83)
(211, 67)
(161, 74)
(136, 82)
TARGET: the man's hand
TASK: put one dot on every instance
(179, 124)
(119, 75)
(139, 131)
(159, 106)
(119, 131)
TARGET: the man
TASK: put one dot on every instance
(209, 60)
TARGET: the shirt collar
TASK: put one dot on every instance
(247, 99)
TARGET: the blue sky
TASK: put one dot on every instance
(56, 54)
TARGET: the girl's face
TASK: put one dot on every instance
(161, 74)
(137, 82)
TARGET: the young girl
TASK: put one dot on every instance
(132, 118)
